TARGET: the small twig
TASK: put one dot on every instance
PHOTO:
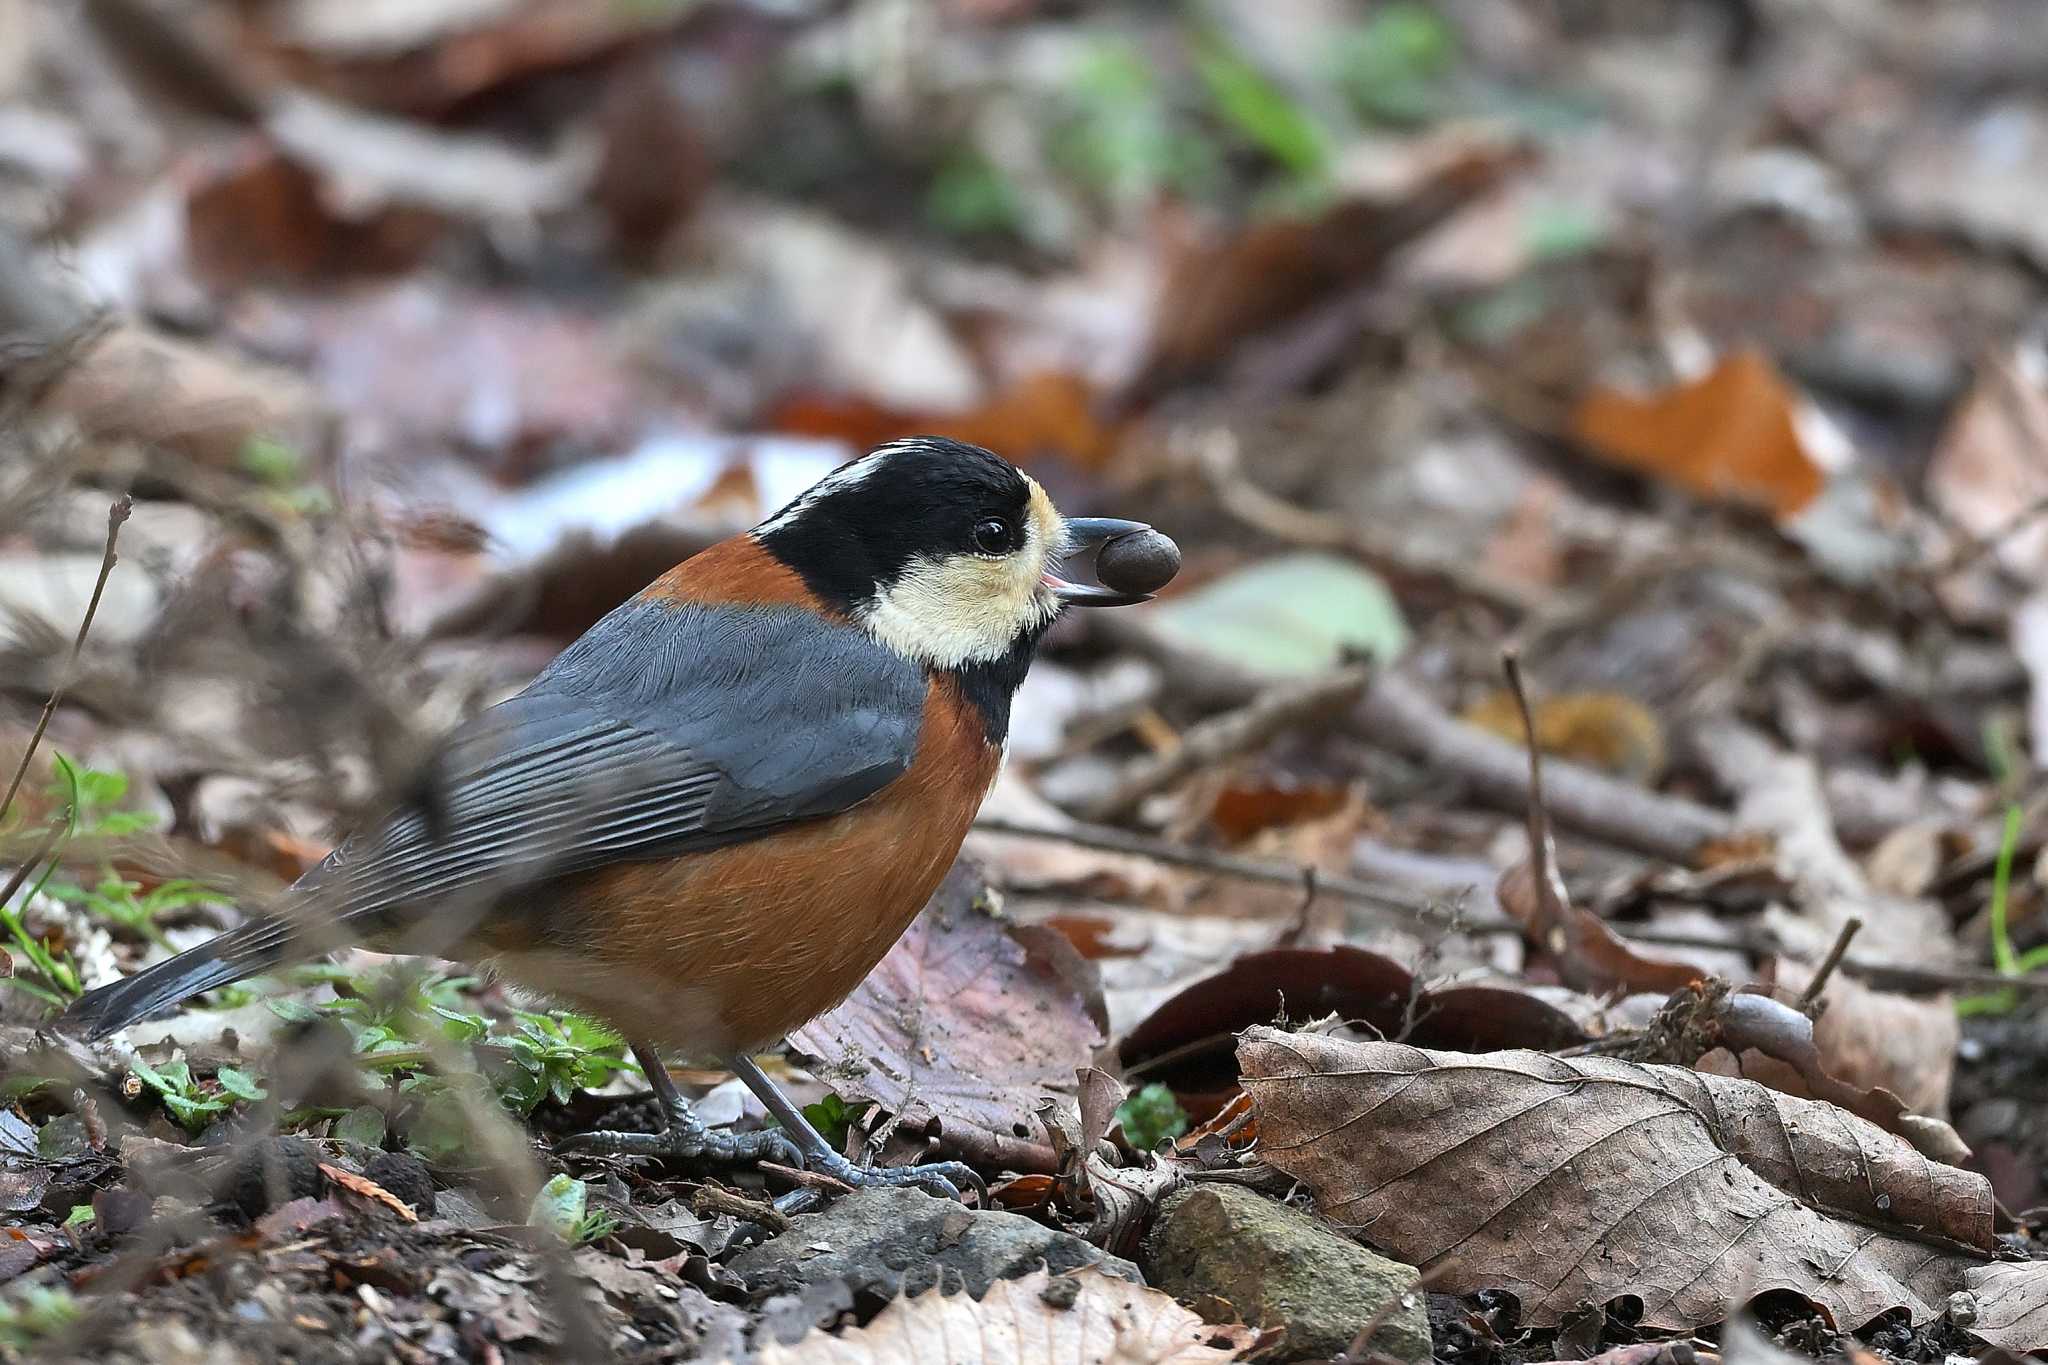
(28, 864)
(1230, 735)
(1811, 996)
(1215, 456)
(1420, 910)
(1431, 912)
(716, 1199)
(1398, 716)
(116, 514)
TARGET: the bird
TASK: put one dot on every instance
(712, 815)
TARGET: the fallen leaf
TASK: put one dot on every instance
(1292, 616)
(368, 1189)
(2030, 644)
(1975, 178)
(1575, 1182)
(1606, 730)
(256, 215)
(1991, 462)
(1739, 433)
(1196, 1028)
(1245, 806)
(1875, 1038)
(1082, 1318)
(969, 1018)
(1220, 291)
(425, 58)
(1774, 1044)
(133, 384)
(1590, 955)
(1050, 413)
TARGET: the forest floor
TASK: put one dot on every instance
(1559, 875)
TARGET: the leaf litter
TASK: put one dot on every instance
(1693, 353)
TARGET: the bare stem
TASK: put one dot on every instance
(116, 514)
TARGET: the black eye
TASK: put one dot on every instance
(992, 535)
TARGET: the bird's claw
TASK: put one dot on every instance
(947, 1179)
(689, 1142)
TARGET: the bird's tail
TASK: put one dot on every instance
(255, 947)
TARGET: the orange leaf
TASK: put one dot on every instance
(1732, 434)
(368, 1189)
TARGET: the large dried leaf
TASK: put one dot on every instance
(968, 1018)
(1078, 1319)
(1738, 433)
(1568, 1182)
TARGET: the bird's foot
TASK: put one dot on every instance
(947, 1179)
(688, 1142)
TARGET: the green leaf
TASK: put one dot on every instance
(1261, 113)
(459, 1026)
(559, 1206)
(1288, 617)
(362, 1125)
(1150, 1116)
(80, 1215)
(831, 1117)
(239, 1084)
(63, 1138)
(293, 1011)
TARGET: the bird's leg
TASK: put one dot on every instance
(686, 1138)
(946, 1178)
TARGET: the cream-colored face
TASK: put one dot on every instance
(966, 608)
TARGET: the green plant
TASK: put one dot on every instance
(191, 1101)
(1260, 113)
(36, 1312)
(1118, 134)
(555, 1055)
(1150, 1116)
(562, 1206)
(115, 899)
(2007, 960)
(90, 798)
(832, 1118)
(969, 195)
(1392, 65)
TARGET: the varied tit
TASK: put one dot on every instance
(711, 815)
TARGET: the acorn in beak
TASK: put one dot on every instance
(1132, 560)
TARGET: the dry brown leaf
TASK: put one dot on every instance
(1590, 956)
(1606, 730)
(1568, 1182)
(1733, 433)
(1083, 1318)
(1992, 462)
(1219, 292)
(368, 1189)
(1876, 1038)
(131, 383)
(968, 1018)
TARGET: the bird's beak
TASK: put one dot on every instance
(1088, 533)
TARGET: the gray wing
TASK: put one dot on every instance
(665, 729)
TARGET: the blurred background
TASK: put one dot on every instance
(1690, 348)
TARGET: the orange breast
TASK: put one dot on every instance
(716, 952)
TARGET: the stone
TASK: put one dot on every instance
(884, 1242)
(1277, 1267)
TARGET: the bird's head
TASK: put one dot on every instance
(945, 552)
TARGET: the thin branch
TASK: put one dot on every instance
(116, 514)
(1430, 911)
(1231, 735)
(1425, 911)
(1811, 996)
